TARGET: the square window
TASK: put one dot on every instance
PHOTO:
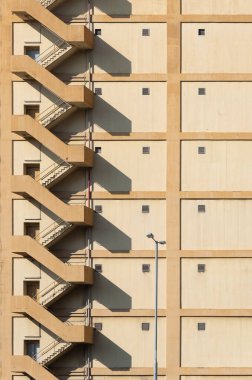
(98, 326)
(146, 150)
(97, 149)
(145, 32)
(201, 208)
(98, 209)
(201, 326)
(98, 268)
(201, 150)
(201, 32)
(201, 268)
(145, 91)
(145, 209)
(98, 91)
(145, 268)
(145, 326)
(98, 32)
(201, 91)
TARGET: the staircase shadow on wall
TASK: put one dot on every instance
(110, 119)
(110, 60)
(110, 354)
(124, 5)
(109, 236)
(110, 178)
(109, 295)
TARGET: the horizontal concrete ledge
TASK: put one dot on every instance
(129, 18)
(129, 254)
(127, 313)
(131, 195)
(127, 77)
(133, 136)
(137, 371)
(216, 371)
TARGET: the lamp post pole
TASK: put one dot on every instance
(156, 311)
(155, 366)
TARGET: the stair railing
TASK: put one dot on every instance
(51, 287)
(48, 348)
(52, 227)
(46, 3)
(54, 48)
(51, 169)
(52, 109)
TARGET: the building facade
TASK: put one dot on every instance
(119, 118)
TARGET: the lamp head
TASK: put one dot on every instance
(162, 242)
(150, 235)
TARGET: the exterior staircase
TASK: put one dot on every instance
(80, 155)
(25, 67)
(68, 332)
(75, 274)
(54, 173)
(80, 214)
(76, 35)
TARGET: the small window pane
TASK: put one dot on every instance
(98, 209)
(201, 208)
(145, 32)
(201, 150)
(145, 209)
(201, 91)
(145, 326)
(201, 326)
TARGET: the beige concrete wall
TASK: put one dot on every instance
(32, 34)
(226, 107)
(226, 165)
(126, 168)
(216, 7)
(31, 93)
(24, 211)
(225, 284)
(25, 269)
(121, 48)
(128, 7)
(114, 229)
(25, 152)
(226, 342)
(120, 107)
(224, 225)
(232, 41)
(123, 344)
(115, 287)
(24, 328)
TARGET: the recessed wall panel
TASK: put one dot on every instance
(225, 342)
(232, 41)
(216, 224)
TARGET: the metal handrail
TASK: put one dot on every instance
(51, 50)
(53, 226)
(43, 2)
(47, 348)
(49, 287)
(52, 108)
(50, 169)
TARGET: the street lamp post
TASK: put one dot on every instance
(155, 366)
